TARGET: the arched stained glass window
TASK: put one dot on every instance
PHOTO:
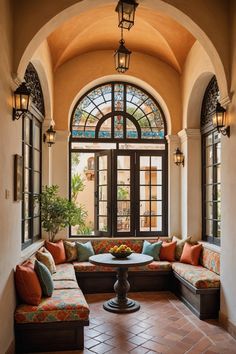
(118, 111)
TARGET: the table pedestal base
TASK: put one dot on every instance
(113, 305)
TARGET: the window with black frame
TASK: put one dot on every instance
(211, 167)
(32, 160)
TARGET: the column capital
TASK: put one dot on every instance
(172, 138)
(187, 134)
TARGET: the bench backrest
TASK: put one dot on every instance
(210, 260)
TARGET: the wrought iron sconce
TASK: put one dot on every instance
(126, 13)
(21, 101)
(50, 136)
(122, 56)
(219, 120)
(178, 157)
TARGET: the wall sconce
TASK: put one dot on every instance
(126, 12)
(50, 136)
(21, 101)
(122, 56)
(219, 120)
(178, 157)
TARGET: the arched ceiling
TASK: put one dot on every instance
(154, 34)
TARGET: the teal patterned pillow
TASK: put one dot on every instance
(152, 249)
(85, 250)
(45, 278)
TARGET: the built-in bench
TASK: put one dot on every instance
(64, 315)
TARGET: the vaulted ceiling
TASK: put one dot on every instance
(154, 34)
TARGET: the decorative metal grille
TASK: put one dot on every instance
(33, 84)
(211, 96)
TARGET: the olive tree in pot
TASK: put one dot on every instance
(58, 212)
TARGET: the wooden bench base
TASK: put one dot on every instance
(103, 282)
(204, 303)
(53, 336)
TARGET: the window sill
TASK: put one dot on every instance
(211, 247)
(29, 251)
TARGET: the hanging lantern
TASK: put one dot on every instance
(178, 157)
(50, 136)
(122, 57)
(21, 101)
(126, 13)
(219, 120)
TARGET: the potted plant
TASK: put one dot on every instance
(58, 212)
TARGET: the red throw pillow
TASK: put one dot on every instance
(57, 250)
(191, 254)
(27, 284)
(167, 252)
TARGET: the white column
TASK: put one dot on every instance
(174, 185)
(191, 214)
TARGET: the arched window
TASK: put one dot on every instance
(121, 129)
(211, 167)
(32, 159)
(117, 111)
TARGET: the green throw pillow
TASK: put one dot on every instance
(85, 250)
(152, 249)
(45, 278)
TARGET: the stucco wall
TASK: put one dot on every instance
(9, 210)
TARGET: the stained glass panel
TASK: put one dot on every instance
(104, 101)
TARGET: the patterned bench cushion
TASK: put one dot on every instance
(198, 276)
(89, 267)
(64, 305)
(210, 260)
(103, 246)
(65, 271)
(65, 284)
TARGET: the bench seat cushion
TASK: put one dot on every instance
(64, 305)
(65, 284)
(89, 267)
(198, 276)
(64, 271)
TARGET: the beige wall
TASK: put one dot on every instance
(228, 249)
(9, 210)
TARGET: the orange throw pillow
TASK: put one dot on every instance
(57, 250)
(167, 252)
(191, 254)
(27, 284)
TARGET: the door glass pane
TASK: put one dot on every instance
(36, 182)
(36, 160)
(102, 223)
(123, 224)
(36, 208)
(156, 162)
(144, 208)
(36, 226)
(219, 211)
(102, 178)
(218, 229)
(123, 162)
(26, 206)
(209, 210)
(123, 192)
(123, 177)
(218, 173)
(144, 223)
(209, 140)
(209, 175)
(156, 177)
(102, 208)
(156, 208)
(144, 192)
(218, 152)
(218, 192)
(26, 155)
(144, 177)
(144, 162)
(103, 193)
(156, 192)
(209, 192)
(102, 161)
(156, 223)
(123, 208)
(26, 228)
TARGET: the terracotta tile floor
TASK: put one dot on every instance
(162, 325)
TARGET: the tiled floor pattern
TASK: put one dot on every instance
(162, 325)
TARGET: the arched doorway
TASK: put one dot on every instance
(118, 162)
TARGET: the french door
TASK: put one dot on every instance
(130, 193)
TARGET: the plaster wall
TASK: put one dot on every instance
(10, 212)
(228, 247)
(77, 73)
